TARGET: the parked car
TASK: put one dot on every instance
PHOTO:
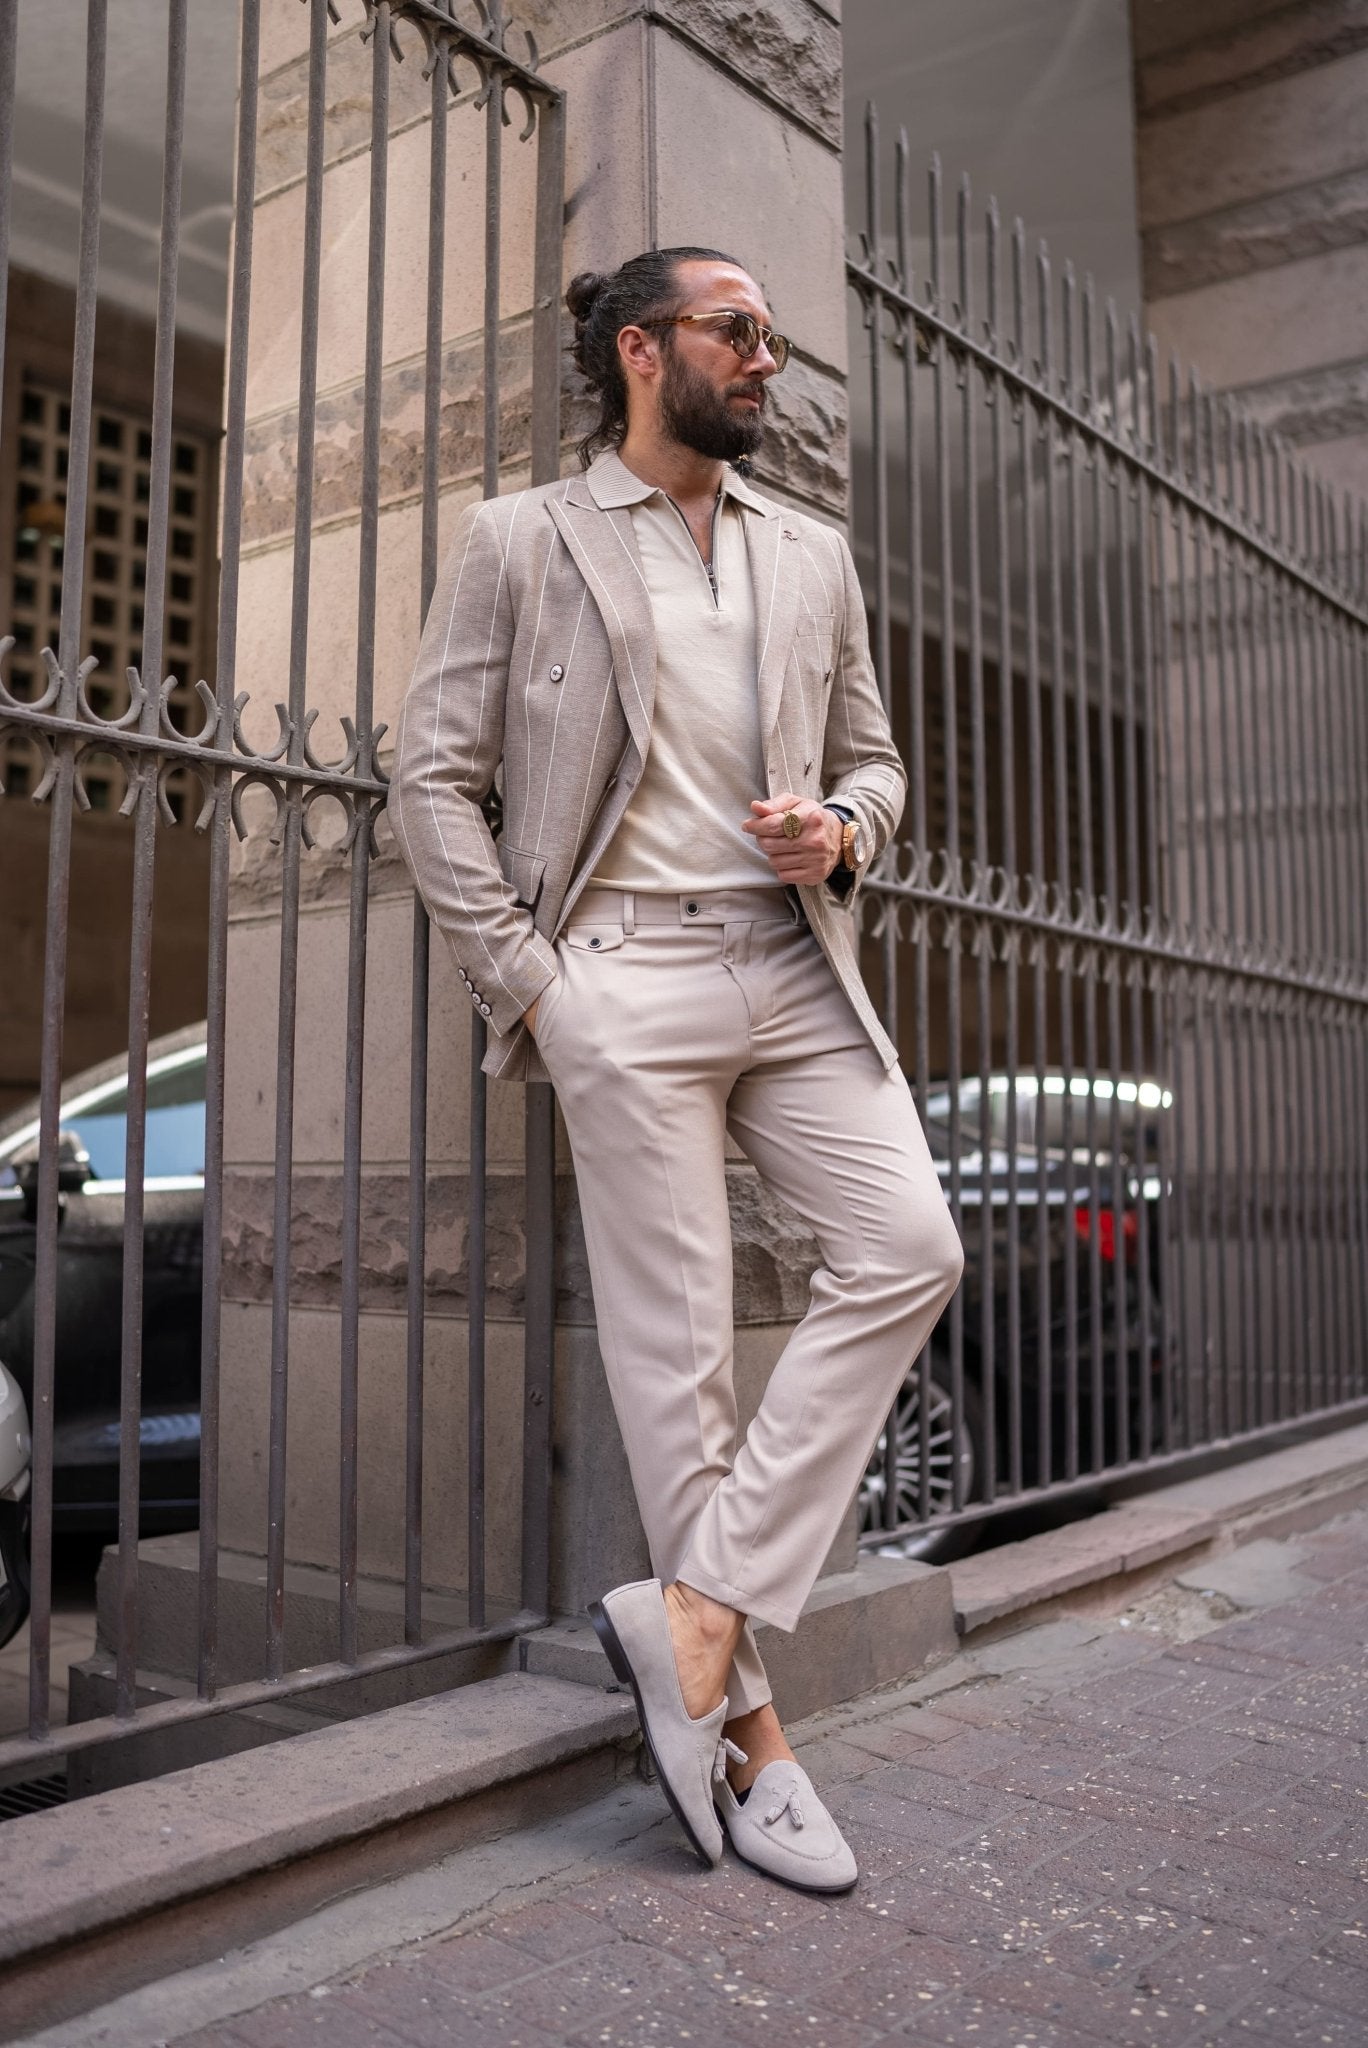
(93, 1123)
(15, 1452)
(1038, 1145)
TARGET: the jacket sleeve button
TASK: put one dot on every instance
(556, 671)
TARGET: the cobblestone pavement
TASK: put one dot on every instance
(1149, 1829)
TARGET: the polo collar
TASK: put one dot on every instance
(611, 485)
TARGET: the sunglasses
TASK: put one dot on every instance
(744, 332)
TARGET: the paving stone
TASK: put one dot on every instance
(1290, 2021)
(965, 2020)
(754, 2016)
(867, 1805)
(935, 1788)
(962, 1915)
(928, 1723)
(1103, 1860)
(473, 1963)
(551, 1929)
(1326, 1980)
(1131, 2009)
(620, 1979)
(882, 1993)
(1211, 1896)
(325, 2021)
(424, 2013)
(659, 1916)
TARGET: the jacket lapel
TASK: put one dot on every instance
(603, 547)
(775, 561)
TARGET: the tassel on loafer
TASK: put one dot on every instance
(784, 1830)
(689, 1754)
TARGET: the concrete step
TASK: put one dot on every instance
(125, 1885)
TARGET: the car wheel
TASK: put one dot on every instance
(947, 1445)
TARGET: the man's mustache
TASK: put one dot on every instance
(748, 390)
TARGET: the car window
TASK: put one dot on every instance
(175, 1125)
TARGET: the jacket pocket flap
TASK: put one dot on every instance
(523, 872)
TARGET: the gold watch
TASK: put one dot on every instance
(854, 845)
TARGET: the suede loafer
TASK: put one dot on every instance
(689, 1754)
(783, 1829)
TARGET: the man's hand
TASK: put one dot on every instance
(812, 854)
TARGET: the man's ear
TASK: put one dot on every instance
(639, 351)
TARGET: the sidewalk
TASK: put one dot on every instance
(1148, 1829)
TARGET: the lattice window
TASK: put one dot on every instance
(115, 575)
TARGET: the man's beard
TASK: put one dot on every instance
(695, 413)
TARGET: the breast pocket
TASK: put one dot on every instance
(816, 644)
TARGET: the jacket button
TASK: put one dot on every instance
(556, 671)
(485, 1010)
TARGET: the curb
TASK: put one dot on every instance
(1281, 1493)
(83, 1869)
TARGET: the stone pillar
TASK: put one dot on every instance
(689, 122)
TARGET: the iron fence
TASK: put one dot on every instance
(1123, 942)
(63, 718)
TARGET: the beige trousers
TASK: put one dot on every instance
(675, 1020)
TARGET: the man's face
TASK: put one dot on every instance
(711, 400)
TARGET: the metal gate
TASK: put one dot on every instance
(67, 715)
(1123, 942)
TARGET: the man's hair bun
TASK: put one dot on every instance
(583, 291)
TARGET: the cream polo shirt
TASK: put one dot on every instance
(682, 827)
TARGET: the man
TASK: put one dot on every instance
(697, 771)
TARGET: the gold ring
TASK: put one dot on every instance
(793, 824)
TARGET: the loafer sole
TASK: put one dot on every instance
(621, 1665)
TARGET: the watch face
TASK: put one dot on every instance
(859, 845)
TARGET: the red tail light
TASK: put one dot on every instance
(1106, 1232)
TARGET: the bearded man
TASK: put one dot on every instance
(674, 672)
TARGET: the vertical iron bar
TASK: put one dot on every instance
(415, 1304)
(292, 828)
(1108, 491)
(539, 1165)
(941, 364)
(981, 929)
(1083, 402)
(211, 1306)
(1030, 432)
(546, 291)
(144, 791)
(479, 1163)
(59, 879)
(9, 48)
(917, 790)
(539, 1325)
(1064, 897)
(360, 827)
(1008, 859)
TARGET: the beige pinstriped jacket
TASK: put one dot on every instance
(539, 654)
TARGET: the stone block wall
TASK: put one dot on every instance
(1253, 199)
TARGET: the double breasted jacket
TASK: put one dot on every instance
(538, 657)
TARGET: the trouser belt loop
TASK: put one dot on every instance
(628, 912)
